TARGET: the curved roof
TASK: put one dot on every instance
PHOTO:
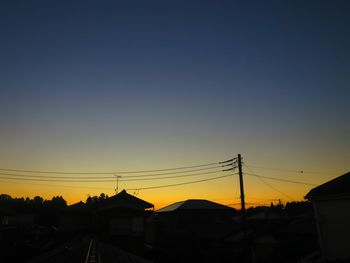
(194, 204)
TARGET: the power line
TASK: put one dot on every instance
(109, 177)
(171, 177)
(288, 170)
(266, 183)
(228, 161)
(179, 172)
(53, 185)
(55, 177)
(221, 199)
(56, 180)
(281, 179)
(264, 204)
(171, 185)
(92, 179)
(260, 177)
(115, 172)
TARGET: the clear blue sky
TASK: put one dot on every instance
(125, 85)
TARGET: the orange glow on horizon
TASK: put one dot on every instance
(224, 191)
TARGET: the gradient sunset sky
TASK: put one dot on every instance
(91, 86)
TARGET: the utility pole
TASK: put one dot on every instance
(239, 162)
(243, 214)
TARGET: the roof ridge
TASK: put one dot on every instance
(339, 186)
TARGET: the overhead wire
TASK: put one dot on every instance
(266, 183)
(178, 172)
(276, 178)
(273, 188)
(178, 184)
(141, 175)
(18, 175)
(116, 172)
(110, 177)
(289, 170)
(171, 177)
(281, 179)
(54, 177)
(55, 185)
(56, 180)
(260, 204)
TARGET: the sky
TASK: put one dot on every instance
(110, 86)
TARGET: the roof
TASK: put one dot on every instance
(123, 199)
(338, 187)
(194, 204)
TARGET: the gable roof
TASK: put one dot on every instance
(338, 187)
(194, 204)
(123, 199)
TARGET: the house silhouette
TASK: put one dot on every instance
(331, 202)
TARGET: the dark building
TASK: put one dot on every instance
(121, 220)
(75, 218)
(331, 202)
(122, 214)
(190, 219)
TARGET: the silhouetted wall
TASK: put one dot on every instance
(333, 220)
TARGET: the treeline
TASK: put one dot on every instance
(290, 208)
(52, 207)
(45, 211)
(93, 200)
(38, 203)
(57, 202)
(29, 205)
